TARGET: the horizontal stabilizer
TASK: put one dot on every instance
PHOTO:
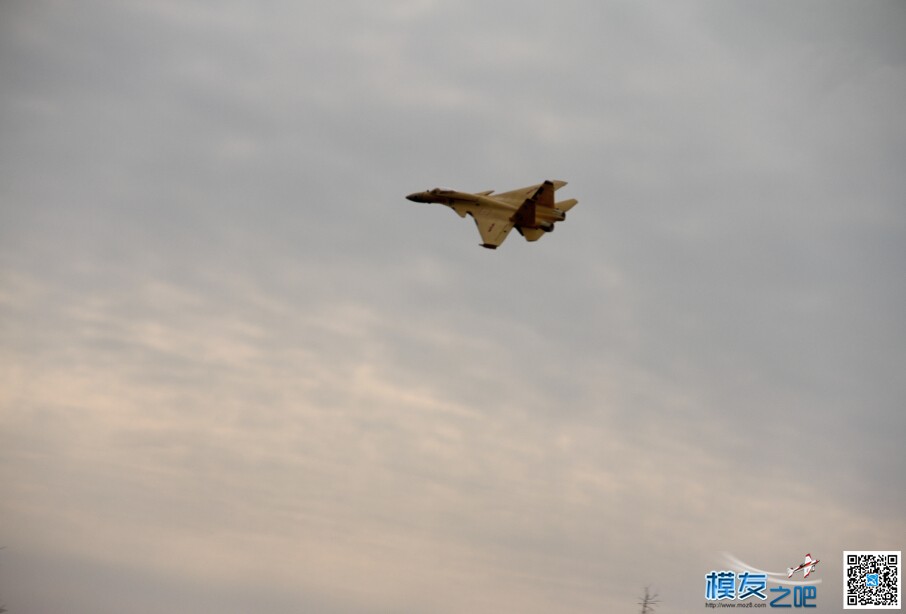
(530, 234)
(566, 205)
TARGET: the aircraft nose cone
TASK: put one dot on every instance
(416, 197)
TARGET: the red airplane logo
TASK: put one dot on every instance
(806, 567)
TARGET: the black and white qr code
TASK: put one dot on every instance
(871, 580)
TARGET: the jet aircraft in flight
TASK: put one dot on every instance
(532, 210)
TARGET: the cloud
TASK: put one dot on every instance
(240, 369)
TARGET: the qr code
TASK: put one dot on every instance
(871, 580)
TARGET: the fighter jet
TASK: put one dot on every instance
(806, 567)
(531, 210)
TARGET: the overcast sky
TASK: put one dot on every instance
(239, 372)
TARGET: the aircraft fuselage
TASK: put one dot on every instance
(452, 198)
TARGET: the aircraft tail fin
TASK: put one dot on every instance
(525, 216)
(544, 196)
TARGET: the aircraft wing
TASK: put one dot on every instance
(520, 195)
(493, 228)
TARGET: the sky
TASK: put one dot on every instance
(240, 372)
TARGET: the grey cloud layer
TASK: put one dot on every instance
(238, 368)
